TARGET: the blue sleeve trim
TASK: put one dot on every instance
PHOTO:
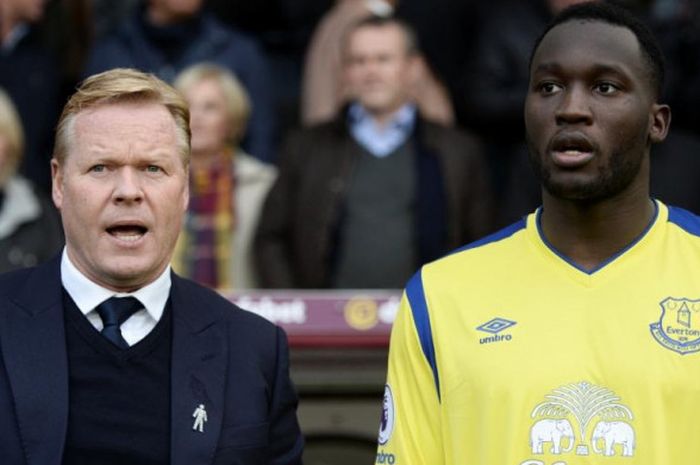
(495, 237)
(689, 222)
(421, 318)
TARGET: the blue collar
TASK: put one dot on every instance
(381, 142)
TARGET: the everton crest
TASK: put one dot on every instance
(678, 328)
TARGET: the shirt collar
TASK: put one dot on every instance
(403, 119)
(381, 142)
(87, 294)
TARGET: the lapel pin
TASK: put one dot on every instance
(200, 417)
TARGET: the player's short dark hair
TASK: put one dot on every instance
(615, 15)
(382, 21)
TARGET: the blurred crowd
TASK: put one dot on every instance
(335, 143)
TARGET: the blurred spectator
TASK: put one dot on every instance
(323, 94)
(67, 30)
(30, 229)
(166, 36)
(227, 186)
(108, 14)
(363, 200)
(265, 18)
(446, 31)
(676, 23)
(28, 73)
(284, 29)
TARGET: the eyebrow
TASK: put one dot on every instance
(599, 68)
(157, 155)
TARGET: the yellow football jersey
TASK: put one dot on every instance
(506, 353)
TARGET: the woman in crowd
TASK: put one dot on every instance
(227, 186)
(30, 228)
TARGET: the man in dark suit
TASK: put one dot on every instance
(362, 201)
(107, 357)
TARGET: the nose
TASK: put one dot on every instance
(128, 187)
(574, 107)
(369, 67)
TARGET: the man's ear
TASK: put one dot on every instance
(56, 183)
(186, 193)
(659, 122)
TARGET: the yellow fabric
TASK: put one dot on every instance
(581, 357)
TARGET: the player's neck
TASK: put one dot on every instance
(589, 234)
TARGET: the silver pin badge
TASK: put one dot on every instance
(200, 417)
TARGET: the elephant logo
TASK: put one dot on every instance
(613, 433)
(564, 419)
(678, 328)
(553, 431)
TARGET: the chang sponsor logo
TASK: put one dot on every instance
(581, 419)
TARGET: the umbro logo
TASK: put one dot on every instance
(494, 327)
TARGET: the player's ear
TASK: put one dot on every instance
(659, 122)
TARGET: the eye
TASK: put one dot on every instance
(548, 88)
(154, 169)
(98, 168)
(606, 88)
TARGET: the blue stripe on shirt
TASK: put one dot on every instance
(421, 318)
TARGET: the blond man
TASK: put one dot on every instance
(108, 356)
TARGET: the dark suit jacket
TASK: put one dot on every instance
(232, 361)
(294, 244)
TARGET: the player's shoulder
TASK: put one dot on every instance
(494, 247)
(687, 221)
(470, 266)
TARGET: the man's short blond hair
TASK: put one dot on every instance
(11, 130)
(236, 98)
(122, 85)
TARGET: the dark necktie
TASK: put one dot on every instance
(115, 311)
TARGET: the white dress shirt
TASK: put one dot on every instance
(87, 295)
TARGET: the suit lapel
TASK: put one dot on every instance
(198, 376)
(34, 350)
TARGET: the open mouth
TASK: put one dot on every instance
(575, 142)
(571, 150)
(127, 232)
